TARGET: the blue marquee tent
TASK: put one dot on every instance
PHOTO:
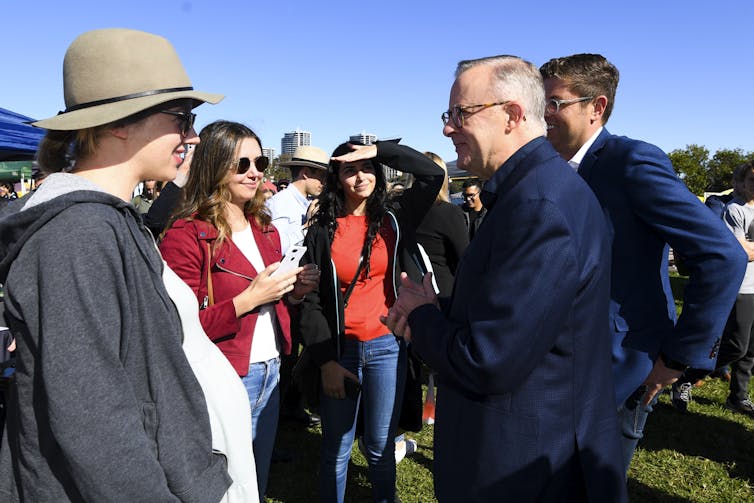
(18, 140)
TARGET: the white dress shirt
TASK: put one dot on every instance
(575, 161)
(288, 209)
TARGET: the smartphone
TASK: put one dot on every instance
(353, 388)
(291, 260)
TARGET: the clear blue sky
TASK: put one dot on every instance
(337, 68)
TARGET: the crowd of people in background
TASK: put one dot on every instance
(7, 193)
(160, 337)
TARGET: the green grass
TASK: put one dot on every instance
(705, 455)
(297, 481)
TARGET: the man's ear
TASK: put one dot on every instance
(600, 104)
(515, 115)
(120, 132)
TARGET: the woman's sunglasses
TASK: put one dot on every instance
(186, 120)
(244, 163)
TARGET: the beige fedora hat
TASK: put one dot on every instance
(312, 157)
(112, 73)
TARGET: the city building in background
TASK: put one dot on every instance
(269, 153)
(294, 139)
(364, 138)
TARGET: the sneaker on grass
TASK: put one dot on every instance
(742, 407)
(680, 395)
(404, 448)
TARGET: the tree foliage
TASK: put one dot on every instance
(702, 173)
(721, 167)
(277, 172)
(690, 164)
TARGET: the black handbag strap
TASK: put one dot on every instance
(349, 291)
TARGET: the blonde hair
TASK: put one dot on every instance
(443, 195)
(59, 150)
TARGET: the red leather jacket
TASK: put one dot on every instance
(184, 248)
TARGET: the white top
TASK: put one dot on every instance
(227, 400)
(264, 343)
(575, 161)
(288, 209)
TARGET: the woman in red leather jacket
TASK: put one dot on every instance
(221, 243)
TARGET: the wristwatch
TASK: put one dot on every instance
(673, 364)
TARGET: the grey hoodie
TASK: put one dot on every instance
(105, 406)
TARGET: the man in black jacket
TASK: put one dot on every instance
(473, 208)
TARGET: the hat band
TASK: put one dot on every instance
(300, 159)
(126, 97)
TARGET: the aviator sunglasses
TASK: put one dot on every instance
(244, 163)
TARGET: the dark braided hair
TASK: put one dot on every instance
(332, 205)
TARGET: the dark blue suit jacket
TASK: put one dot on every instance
(648, 207)
(526, 410)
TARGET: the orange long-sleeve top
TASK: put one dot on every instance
(373, 296)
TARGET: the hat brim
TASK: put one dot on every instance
(110, 112)
(308, 164)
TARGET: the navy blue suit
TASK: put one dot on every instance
(525, 410)
(648, 207)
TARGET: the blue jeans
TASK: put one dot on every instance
(380, 365)
(264, 395)
(633, 417)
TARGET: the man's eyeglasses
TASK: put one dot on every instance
(554, 105)
(470, 196)
(187, 120)
(244, 163)
(458, 113)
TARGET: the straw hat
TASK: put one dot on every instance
(112, 73)
(306, 155)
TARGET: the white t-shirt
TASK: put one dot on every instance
(264, 345)
(227, 400)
